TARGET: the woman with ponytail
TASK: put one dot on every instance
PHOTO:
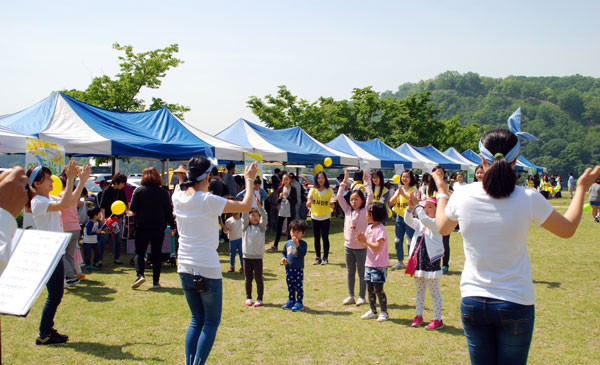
(497, 303)
(197, 213)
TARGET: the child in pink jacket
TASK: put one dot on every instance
(355, 221)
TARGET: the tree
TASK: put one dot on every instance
(572, 103)
(138, 70)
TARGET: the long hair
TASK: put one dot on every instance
(379, 174)
(413, 179)
(431, 187)
(197, 166)
(500, 179)
(326, 184)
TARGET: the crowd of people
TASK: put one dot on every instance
(496, 284)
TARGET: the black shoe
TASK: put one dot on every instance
(324, 262)
(317, 261)
(139, 281)
(53, 338)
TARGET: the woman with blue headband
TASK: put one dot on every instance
(497, 306)
(197, 212)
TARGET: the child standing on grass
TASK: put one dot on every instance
(254, 226)
(428, 248)
(293, 254)
(375, 240)
(355, 220)
(90, 239)
(233, 228)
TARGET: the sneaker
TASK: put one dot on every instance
(248, 303)
(156, 286)
(297, 307)
(369, 315)
(139, 281)
(271, 249)
(317, 261)
(324, 262)
(398, 266)
(80, 277)
(88, 268)
(53, 338)
(231, 269)
(348, 301)
(288, 305)
(417, 322)
(259, 303)
(435, 325)
(71, 282)
(360, 301)
(98, 266)
(242, 269)
(383, 316)
(445, 269)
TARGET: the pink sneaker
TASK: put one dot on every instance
(435, 325)
(417, 322)
(248, 303)
(258, 303)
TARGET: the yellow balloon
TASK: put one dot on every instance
(587, 207)
(57, 186)
(118, 207)
(557, 188)
(396, 179)
(317, 169)
(327, 162)
(389, 213)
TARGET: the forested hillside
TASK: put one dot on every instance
(563, 112)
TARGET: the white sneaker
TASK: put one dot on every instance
(348, 301)
(139, 281)
(369, 315)
(383, 316)
(360, 301)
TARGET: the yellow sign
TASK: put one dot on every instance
(45, 153)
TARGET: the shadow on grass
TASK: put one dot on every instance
(166, 290)
(92, 291)
(403, 306)
(325, 312)
(551, 284)
(234, 275)
(451, 330)
(109, 352)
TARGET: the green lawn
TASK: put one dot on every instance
(107, 322)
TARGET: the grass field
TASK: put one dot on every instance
(107, 322)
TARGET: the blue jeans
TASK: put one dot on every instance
(235, 247)
(497, 331)
(206, 316)
(115, 244)
(55, 286)
(401, 229)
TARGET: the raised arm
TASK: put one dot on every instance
(65, 201)
(565, 225)
(444, 224)
(235, 206)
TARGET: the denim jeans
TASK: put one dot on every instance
(235, 247)
(115, 244)
(401, 229)
(497, 331)
(55, 286)
(206, 316)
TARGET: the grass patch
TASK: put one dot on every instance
(107, 322)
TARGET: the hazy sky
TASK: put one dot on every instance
(235, 49)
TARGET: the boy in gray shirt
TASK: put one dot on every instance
(254, 226)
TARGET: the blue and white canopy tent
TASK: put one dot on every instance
(418, 160)
(436, 155)
(290, 145)
(452, 153)
(12, 141)
(529, 165)
(86, 130)
(375, 152)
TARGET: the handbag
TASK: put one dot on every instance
(411, 266)
(128, 227)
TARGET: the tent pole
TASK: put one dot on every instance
(114, 165)
(168, 182)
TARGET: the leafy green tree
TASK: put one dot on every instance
(138, 70)
(572, 103)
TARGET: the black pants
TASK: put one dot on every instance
(88, 249)
(321, 229)
(254, 266)
(280, 221)
(155, 238)
(446, 259)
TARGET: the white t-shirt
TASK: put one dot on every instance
(495, 241)
(198, 227)
(235, 228)
(42, 218)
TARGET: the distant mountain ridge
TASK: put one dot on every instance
(563, 112)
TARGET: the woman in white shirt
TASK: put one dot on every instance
(497, 304)
(197, 212)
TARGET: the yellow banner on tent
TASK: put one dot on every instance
(45, 153)
(249, 158)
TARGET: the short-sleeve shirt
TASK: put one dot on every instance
(381, 257)
(495, 241)
(42, 218)
(198, 227)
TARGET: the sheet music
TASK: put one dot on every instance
(35, 255)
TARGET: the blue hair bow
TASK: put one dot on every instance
(514, 125)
